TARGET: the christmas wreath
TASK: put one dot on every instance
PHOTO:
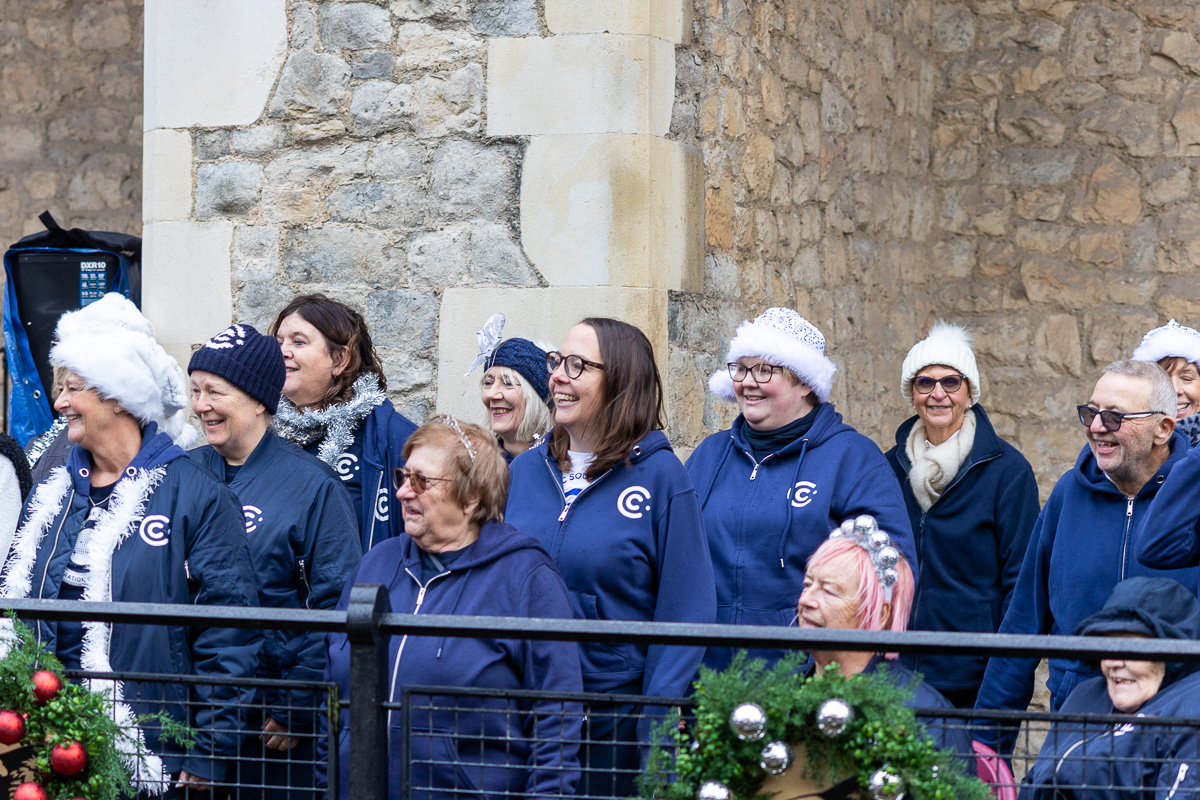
(60, 739)
(749, 721)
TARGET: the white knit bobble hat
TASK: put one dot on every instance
(783, 337)
(111, 345)
(1171, 339)
(947, 344)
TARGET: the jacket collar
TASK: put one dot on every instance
(157, 449)
(827, 423)
(985, 448)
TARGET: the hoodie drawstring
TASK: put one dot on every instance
(712, 478)
(790, 497)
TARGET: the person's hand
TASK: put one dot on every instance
(193, 783)
(274, 736)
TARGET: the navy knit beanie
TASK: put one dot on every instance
(527, 359)
(247, 359)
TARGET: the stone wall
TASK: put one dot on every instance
(1065, 150)
(814, 120)
(70, 115)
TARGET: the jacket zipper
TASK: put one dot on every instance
(1125, 536)
(304, 582)
(404, 641)
(757, 464)
(46, 569)
(374, 508)
(558, 482)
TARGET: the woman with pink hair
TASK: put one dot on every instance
(858, 580)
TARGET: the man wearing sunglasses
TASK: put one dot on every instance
(1082, 545)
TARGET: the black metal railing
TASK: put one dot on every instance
(369, 623)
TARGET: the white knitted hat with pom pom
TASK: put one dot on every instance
(947, 344)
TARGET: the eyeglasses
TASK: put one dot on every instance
(419, 482)
(762, 371)
(574, 365)
(1111, 420)
(950, 383)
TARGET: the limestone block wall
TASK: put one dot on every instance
(815, 122)
(1065, 149)
(70, 114)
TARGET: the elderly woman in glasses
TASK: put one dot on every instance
(857, 580)
(972, 500)
(459, 557)
(789, 469)
(1137, 759)
(515, 388)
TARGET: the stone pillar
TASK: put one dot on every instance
(610, 208)
(208, 63)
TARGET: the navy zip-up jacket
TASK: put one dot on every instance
(189, 548)
(1169, 536)
(482, 746)
(1144, 760)
(1081, 547)
(765, 518)
(631, 546)
(303, 537)
(971, 543)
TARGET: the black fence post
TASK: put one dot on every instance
(368, 692)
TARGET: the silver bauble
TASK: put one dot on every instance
(776, 757)
(865, 524)
(847, 527)
(878, 540)
(890, 576)
(889, 556)
(834, 716)
(886, 785)
(749, 722)
(714, 791)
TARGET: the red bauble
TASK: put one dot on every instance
(45, 685)
(31, 791)
(68, 758)
(12, 727)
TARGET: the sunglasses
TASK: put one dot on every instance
(419, 482)
(950, 384)
(1111, 420)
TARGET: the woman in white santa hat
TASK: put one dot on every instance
(1176, 348)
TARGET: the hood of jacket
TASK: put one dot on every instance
(1091, 477)
(157, 450)
(1161, 608)
(827, 424)
(496, 540)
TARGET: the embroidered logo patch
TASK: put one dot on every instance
(347, 465)
(382, 504)
(254, 517)
(802, 495)
(155, 530)
(633, 501)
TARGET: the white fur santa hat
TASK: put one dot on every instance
(948, 345)
(1171, 339)
(783, 337)
(111, 345)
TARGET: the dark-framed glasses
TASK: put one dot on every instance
(950, 383)
(762, 371)
(1111, 420)
(573, 365)
(420, 482)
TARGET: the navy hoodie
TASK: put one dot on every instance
(303, 538)
(1080, 549)
(631, 546)
(971, 543)
(483, 746)
(765, 518)
(189, 548)
(1144, 760)
(1168, 537)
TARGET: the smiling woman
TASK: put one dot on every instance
(515, 388)
(1176, 348)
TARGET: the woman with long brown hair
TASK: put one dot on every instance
(611, 503)
(334, 406)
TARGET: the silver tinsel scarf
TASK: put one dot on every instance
(332, 426)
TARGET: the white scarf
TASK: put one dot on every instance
(933, 467)
(113, 526)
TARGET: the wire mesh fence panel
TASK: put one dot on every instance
(232, 739)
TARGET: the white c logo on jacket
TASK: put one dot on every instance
(633, 501)
(155, 529)
(802, 494)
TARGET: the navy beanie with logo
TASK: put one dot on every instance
(247, 359)
(527, 359)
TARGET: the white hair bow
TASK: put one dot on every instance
(489, 339)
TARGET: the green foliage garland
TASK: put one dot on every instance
(883, 731)
(74, 714)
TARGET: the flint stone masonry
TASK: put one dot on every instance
(354, 26)
(228, 188)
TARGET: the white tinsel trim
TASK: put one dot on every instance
(113, 526)
(20, 549)
(333, 425)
